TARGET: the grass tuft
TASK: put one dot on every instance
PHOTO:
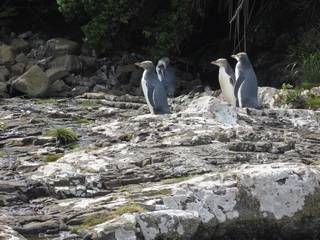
(63, 135)
(101, 217)
(52, 157)
(81, 120)
(129, 208)
(89, 103)
(176, 180)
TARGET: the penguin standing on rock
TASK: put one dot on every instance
(226, 80)
(153, 90)
(166, 75)
(246, 86)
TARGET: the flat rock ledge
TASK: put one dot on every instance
(208, 171)
(270, 200)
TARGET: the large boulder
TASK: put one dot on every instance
(4, 74)
(21, 58)
(61, 46)
(57, 88)
(56, 73)
(7, 232)
(266, 96)
(6, 54)
(169, 224)
(18, 44)
(3, 89)
(71, 63)
(34, 82)
(18, 69)
(211, 107)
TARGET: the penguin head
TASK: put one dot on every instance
(165, 61)
(240, 56)
(145, 65)
(221, 62)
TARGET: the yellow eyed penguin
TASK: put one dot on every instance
(153, 90)
(246, 86)
(167, 75)
(226, 80)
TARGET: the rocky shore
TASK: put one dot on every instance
(93, 164)
(207, 171)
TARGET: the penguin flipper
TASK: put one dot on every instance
(150, 97)
(160, 99)
(239, 81)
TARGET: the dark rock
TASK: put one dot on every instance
(56, 73)
(3, 89)
(18, 44)
(62, 46)
(57, 88)
(71, 63)
(18, 68)
(7, 232)
(6, 54)
(88, 61)
(25, 35)
(34, 82)
(33, 228)
(4, 74)
(21, 58)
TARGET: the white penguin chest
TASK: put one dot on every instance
(226, 86)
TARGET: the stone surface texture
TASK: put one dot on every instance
(207, 171)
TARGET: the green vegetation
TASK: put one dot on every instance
(129, 208)
(112, 23)
(311, 70)
(312, 101)
(176, 180)
(52, 157)
(294, 97)
(45, 101)
(93, 220)
(101, 217)
(3, 153)
(160, 192)
(290, 95)
(82, 120)
(63, 135)
(89, 103)
(2, 126)
(73, 146)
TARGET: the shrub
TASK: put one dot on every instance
(108, 24)
(311, 70)
(296, 99)
(312, 101)
(63, 135)
(290, 95)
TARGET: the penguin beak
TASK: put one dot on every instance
(235, 56)
(138, 64)
(214, 63)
